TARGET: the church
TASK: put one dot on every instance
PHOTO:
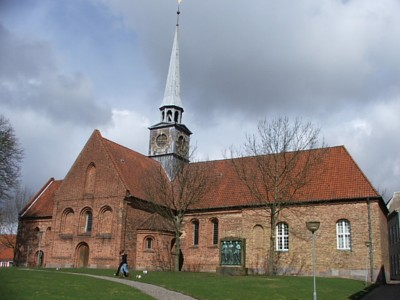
(99, 209)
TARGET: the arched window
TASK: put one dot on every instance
(148, 243)
(282, 237)
(215, 231)
(37, 235)
(90, 179)
(105, 220)
(195, 232)
(86, 220)
(343, 235)
(67, 221)
(258, 236)
(89, 221)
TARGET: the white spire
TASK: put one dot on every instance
(172, 94)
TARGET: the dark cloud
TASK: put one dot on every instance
(333, 62)
(258, 56)
(21, 59)
(29, 79)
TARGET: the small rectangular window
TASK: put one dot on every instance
(195, 233)
(215, 232)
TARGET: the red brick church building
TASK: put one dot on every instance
(85, 219)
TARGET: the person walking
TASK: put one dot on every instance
(123, 265)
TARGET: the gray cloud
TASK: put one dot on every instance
(334, 62)
(302, 57)
(29, 79)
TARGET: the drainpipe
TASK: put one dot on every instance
(371, 258)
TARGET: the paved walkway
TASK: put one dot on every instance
(157, 292)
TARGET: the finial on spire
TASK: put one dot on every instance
(172, 94)
(178, 13)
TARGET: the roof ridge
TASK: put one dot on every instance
(122, 146)
(250, 156)
(130, 150)
(102, 140)
(361, 172)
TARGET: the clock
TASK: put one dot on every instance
(162, 140)
(182, 144)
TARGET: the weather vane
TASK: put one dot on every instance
(178, 13)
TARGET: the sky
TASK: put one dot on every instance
(70, 67)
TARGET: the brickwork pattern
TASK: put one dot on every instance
(97, 185)
(253, 225)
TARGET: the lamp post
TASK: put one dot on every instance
(313, 226)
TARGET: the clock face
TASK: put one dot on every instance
(182, 144)
(161, 140)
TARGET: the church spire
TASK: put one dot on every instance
(171, 107)
(170, 138)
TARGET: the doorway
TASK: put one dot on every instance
(82, 255)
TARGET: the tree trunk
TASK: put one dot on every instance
(271, 255)
(177, 252)
(177, 225)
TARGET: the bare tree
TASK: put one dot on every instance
(173, 197)
(9, 210)
(9, 215)
(10, 158)
(275, 165)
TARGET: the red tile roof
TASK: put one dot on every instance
(337, 177)
(134, 168)
(6, 252)
(41, 205)
(156, 223)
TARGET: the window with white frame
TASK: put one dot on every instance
(282, 237)
(343, 235)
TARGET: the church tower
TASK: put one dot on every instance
(169, 139)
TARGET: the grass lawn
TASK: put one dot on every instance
(212, 286)
(24, 284)
(20, 284)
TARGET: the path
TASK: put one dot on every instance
(157, 292)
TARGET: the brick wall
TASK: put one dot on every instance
(29, 242)
(253, 225)
(157, 257)
(92, 184)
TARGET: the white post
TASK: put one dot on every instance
(314, 272)
(313, 227)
